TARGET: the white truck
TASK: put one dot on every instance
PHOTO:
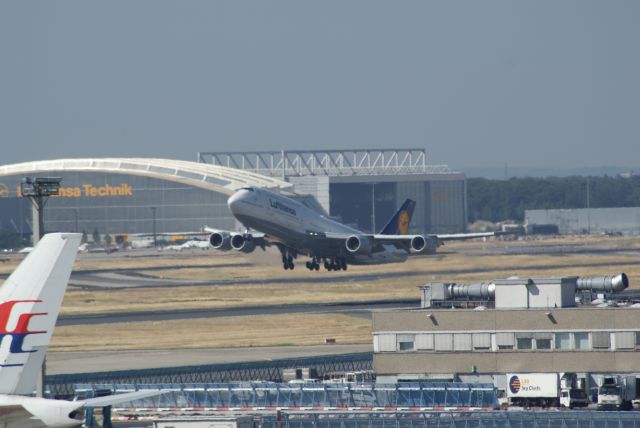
(544, 390)
(617, 393)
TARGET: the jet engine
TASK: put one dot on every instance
(423, 244)
(220, 241)
(418, 244)
(359, 244)
(243, 243)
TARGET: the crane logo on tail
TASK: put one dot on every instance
(403, 222)
(21, 330)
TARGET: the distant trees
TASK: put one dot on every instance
(96, 236)
(498, 200)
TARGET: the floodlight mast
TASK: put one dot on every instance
(38, 191)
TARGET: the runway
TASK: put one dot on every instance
(358, 308)
(89, 362)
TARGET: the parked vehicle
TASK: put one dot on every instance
(617, 393)
(544, 390)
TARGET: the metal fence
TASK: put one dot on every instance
(63, 385)
(495, 419)
(307, 395)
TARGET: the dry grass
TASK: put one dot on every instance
(273, 330)
(461, 263)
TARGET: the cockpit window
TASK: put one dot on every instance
(247, 188)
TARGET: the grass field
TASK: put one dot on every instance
(274, 330)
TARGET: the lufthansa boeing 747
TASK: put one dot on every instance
(296, 229)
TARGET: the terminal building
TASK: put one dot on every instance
(481, 332)
(137, 195)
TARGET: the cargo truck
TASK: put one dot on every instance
(617, 393)
(544, 390)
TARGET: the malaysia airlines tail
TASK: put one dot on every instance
(399, 223)
(30, 300)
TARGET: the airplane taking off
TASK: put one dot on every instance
(296, 229)
(30, 300)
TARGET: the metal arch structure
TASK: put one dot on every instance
(210, 177)
(297, 163)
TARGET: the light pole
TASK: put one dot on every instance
(588, 205)
(38, 191)
(153, 212)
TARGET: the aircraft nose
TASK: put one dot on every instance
(236, 199)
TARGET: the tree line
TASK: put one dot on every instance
(499, 200)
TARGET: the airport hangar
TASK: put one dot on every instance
(134, 195)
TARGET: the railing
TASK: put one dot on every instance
(63, 385)
(273, 396)
(495, 419)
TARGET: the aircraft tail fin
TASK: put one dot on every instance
(30, 300)
(399, 223)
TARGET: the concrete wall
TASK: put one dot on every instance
(507, 319)
(405, 322)
(503, 362)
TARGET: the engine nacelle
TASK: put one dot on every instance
(359, 244)
(220, 241)
(243, 243)
(418, 244)
(423, 244)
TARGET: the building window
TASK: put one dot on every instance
(543, 344)
(481, 341)
(581, 341)
(462, 342)
(637, 339)
(601, 340)
(563, 341)
(384, 343)
(505, 341)
(625, 340)
(424, 342)
(443, 342)
(405, 342)
(524, 343)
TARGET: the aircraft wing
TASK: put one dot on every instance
(110, 400)
(16, 416)
(462, 236)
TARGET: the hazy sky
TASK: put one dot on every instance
(476, 83)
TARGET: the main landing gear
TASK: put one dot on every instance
(313, 264)
(330, 264)
(287, 258)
